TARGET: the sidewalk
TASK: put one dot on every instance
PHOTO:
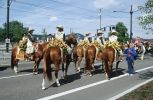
(7, 62)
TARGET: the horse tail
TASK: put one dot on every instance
(48, 72)
(48, 65)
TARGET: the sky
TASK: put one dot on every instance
(80, 16)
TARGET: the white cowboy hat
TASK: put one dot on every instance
(114, 32)
(59, 26)
(30, 29)
(99, 32)
(87, 33)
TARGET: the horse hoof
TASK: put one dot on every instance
(35, 73)
(90, 75)
(58, 84)
(43, 88)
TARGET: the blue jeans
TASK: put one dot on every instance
(130, 63)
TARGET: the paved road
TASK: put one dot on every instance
(77, 87)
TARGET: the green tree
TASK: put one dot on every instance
(122, 32)
(16, 31)
(146, 20)
(2, 35)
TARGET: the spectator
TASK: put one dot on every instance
(143, 50)
(130, 58)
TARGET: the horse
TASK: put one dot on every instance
(38, 55)
(23, 54)
(51, 56)
(107, 55)
(90, 55)
(70, 40)
(56, 55)
(78, 55)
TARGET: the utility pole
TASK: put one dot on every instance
(131, 34)
(131, 13)
(7, 34)
(100, 17)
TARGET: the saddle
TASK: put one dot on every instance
(20, 54)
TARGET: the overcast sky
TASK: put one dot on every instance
(79, 15)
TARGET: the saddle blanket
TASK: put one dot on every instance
(20, 55)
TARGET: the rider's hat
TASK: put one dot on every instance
(30, 30)
(114, 32)
(87, 33)
(99, 32)
(60, 26)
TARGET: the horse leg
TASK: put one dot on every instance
(44, 75)
(56, 74)
(66, 69)
(63, 70)
(79, 63)
(117, 63)
(46, 71)
(106, 69)
(36, 65)
(16, 66)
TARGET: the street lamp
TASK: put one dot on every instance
(131, 13)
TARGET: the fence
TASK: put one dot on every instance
(5, 58)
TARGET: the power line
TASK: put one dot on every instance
(72, 5)
(46, 8)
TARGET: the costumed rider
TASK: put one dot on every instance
(87, 37)
(114, 39)
(60, 35)
(100, 37)
(30, 48)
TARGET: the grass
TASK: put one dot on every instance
(144, 92)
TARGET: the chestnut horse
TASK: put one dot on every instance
(107, 55)
(70, 40)
(22, 55)
(78, 55)
(51, 56)
(90, 55)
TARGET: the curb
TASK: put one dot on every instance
(20, 62)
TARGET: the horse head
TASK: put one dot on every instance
(71, 39)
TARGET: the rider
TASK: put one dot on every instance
(87, 37)
(113, 36)
(113, 39)
(30, 48)
(60, 33)
(100, 37)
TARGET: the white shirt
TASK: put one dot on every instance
(99, 40)
(113, 38)
(59, 35)
(86, 38)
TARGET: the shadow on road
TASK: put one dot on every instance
(2, 68)
(119, 72)
(146, 75)
(70, 78)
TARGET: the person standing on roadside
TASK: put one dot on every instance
(130, 58)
